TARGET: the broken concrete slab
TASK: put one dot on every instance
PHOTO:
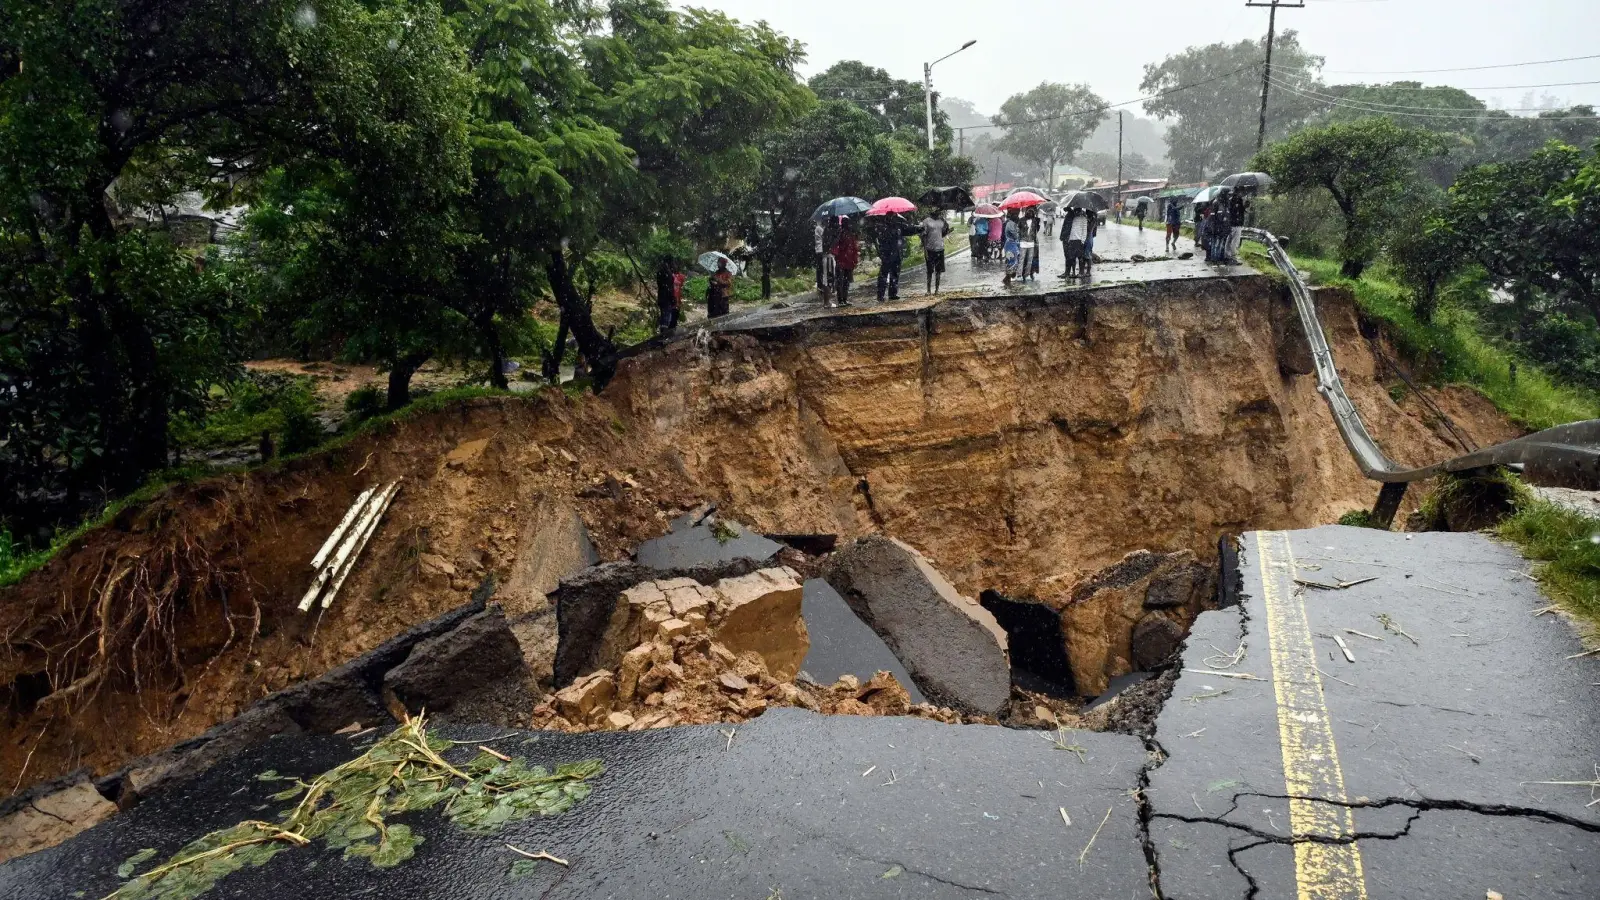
(586, 601)
(475, 672)
(761, 613)
(1099, 619)
(49, 813)
(842, 644)
(953, 647)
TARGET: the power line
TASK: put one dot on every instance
(1536, 62)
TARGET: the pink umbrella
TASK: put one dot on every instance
(987, 211)
(1021, 200)
(891, 205)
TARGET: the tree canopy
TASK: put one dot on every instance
(1214, 94)
(1366, 166)
(1049, 123)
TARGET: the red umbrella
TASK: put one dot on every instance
(1022, 200)
(891, 205)
(987, 211)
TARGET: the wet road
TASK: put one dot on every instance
(1414, 769)
(964, 277)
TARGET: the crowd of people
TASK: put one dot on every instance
(1013, 238)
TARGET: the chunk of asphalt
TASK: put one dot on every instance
(457, 668)
(842, 644)
(953, 648)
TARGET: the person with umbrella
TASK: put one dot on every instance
(666, 293)
(719, 290)
(1238, 208)
(979, 238)
(1140, 206)
(1074, 234)
(846, 255)
(892, 230)
(1013, 247)
(933, 230)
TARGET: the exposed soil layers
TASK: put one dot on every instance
(1019, 443)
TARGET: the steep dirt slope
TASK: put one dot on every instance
(1019, 443)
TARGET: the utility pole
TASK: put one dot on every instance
(1266, 74)
(961, 137)
(1117, 205)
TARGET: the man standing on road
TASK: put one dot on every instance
(892, 232)
(846, 254)
(1237, 207)
(1174, 223)
(934, 228)
(1074, 232)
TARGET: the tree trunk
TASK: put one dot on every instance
(600, 352)
(497, 354)
(399, 393)
(766, 278)
(552, 359)
(1352, 268)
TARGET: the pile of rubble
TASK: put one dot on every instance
(676, 652)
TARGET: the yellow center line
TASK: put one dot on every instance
(1305, 732)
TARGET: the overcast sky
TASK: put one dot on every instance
(1018, 44)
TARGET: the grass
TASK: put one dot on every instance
(1454, 348)
(1566, 545)
(17, 564)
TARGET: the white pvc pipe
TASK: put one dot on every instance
(345, 546)
(338, 533)
(366, 536)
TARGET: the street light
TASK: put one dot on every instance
(927, 86)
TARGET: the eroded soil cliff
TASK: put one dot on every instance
(1020, 443)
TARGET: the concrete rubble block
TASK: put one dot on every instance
(952, 647)
(634, 663)
(1153, 640)
(50, 817)
(589, 699)
(637, 618)
(1099, 619)
(446, 671)
(687, 599)
(760, 613)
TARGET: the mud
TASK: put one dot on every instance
(1019, 444)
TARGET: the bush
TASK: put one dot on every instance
(1567, 543)
(1360, 518)
(363, 403)
(281, 404)
(302, 430)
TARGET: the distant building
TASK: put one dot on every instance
(1070, 177)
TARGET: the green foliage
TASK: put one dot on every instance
(1567, 543)
(1469, 501)
(1453, 348)
(1360, 518)
(723, 532)
(1218, 110)
(1367, 167)
(1534, 225)
(348, 808)
(1052, 122)
(283, 405)
(363, 403)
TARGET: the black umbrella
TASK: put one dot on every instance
(840, 206)
(954, 197)
(1248, 182)
(1084, 200)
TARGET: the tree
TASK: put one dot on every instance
(1365, 166)
(1534, 224)
(1425, 258)
(1048, 124)
(897, 104)
(1214, 93)
(106, 330)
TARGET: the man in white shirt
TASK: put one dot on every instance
(934, 228)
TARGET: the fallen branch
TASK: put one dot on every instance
(540, 855)
(1242, 676)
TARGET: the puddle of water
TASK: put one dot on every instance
(689, 545)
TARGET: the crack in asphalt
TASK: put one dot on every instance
(1421, 805)
(854, 853)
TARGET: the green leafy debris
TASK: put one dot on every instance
(133, 862)
(348, 808)
(522, 868)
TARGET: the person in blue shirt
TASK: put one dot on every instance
(1174, 222)
(980, 239)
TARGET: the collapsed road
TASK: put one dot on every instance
(997, 435)
(1431, 767)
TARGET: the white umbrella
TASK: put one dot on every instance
(708, 261)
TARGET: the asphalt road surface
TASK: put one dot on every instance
(1278, 769)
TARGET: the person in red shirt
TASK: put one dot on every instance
(846, 256)
(720, 291)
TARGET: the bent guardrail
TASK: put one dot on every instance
(1567, 455)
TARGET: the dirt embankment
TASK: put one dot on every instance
(1019, 443)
